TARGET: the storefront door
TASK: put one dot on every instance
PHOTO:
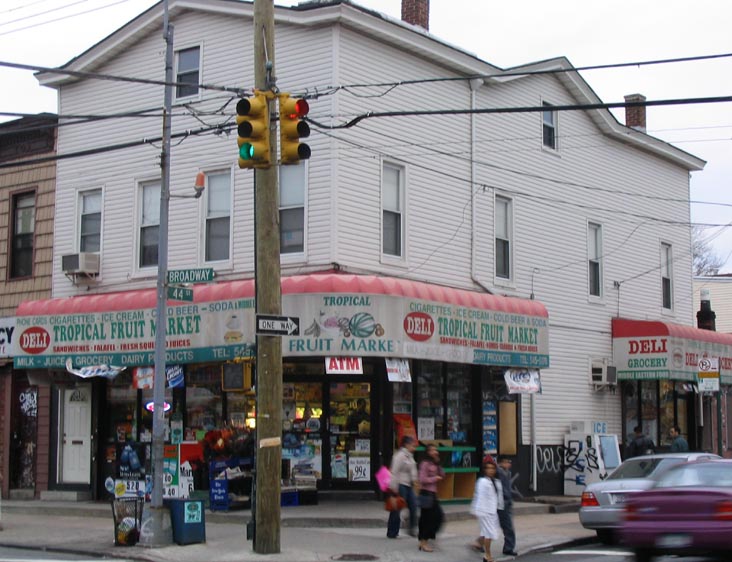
(327, 431)
(76, 438)
(24, 422)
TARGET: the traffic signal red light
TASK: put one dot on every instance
(292, 129)
(252, 118)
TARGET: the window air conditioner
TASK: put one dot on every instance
(602, 373)
(84, 263)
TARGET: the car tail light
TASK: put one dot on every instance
(723, 511)
(630, 513)
(589, 500)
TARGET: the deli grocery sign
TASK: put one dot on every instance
(331, 325)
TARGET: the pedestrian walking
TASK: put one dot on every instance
(430, 515)
(505, 515)
(678, 443)
(487, 500)
(403, 478)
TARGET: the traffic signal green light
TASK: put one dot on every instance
(252, 119)
(292, 129)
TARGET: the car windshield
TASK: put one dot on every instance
(706, 474)
(643, 467)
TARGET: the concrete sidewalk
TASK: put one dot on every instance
(309, 533)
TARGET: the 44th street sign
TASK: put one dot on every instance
(268, 325)
(180, 294)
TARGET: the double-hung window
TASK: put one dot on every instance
(392, 205)
(218, 216)
(549, 126)
(22, 235)
(149, 224)
(188, 72)
(594, 251)
(292, 209)
(666, 275)
(90, 221)
(503, 228)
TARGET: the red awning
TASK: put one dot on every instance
(624, 328)
(297, 284)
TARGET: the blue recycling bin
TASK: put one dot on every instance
(188, 520)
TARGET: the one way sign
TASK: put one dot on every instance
(277, 325)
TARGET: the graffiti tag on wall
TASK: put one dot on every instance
(29, 403)
(579, 460)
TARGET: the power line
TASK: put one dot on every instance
(115, 78)
(24, 18)
(63, 17)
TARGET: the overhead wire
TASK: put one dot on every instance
(62, 18)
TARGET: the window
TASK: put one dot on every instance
(594, 251)
(292, 209)
(91, 221)
(503, 229)
(149, 224)
(666, 277)
(392, 200)
(23, 229)
(549, 127)
(188, 72)
(218, 216)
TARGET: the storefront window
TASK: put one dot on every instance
(204, 399)
(666, 411)
(122, 408)
(429, 407)
(302, 428)
(459, 410)
(649, 409)
(350, 428)
(146, 425)
(402, 397)
(240, 410)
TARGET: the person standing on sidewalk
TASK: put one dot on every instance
(403, 478)
(430, 514)
(678, 443)
(505, 515)
(487, 500)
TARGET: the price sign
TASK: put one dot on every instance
(359, 468)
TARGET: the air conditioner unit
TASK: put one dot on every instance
(602, 373)
(83, 263)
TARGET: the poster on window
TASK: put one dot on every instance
(359, 467)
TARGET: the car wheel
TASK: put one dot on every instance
(605, 536)
(643, 555)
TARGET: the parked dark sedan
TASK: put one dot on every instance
(687, 512)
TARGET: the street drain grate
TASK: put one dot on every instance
(354, 557)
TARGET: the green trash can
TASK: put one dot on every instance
(188, 520)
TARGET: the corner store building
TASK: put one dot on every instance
(458, 342)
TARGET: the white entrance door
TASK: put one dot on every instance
(76, 437)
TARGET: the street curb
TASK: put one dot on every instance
(550, 547)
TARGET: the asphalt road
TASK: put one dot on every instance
(25, 555)
(599, 553)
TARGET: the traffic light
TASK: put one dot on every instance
(252, 119)
(292, 129)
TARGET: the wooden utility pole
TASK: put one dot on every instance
(269, 301)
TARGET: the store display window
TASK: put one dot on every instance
(204, 401)
(122, 408)
(350, 429)
(459, 408)
(302, 430)
(430, 412)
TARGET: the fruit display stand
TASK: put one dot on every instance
(459, 482)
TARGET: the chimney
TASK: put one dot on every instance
(635, 116)
(416, 12)
(706, 317)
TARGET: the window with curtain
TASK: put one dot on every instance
(149, 224)
(22, 235)
(392, 202)
(503, 229)
(594, 249)
(666, 276)
(218, 216)
(90, 221)
(188, 72)
(292, 209)
(549, 126)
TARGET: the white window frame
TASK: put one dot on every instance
(207, 215)
(298, 173)
(141, 185)
(82, 194)
(505, 234)
(667, 276)
(553, 124)
(594, 259)
(176, 75)
(399, 209)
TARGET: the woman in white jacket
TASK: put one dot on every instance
(487, 500)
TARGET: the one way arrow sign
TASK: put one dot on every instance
(277, 325)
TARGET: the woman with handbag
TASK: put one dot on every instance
(403, 477)
(487, 500)
(430, 516)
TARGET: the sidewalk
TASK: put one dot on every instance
(308, 533)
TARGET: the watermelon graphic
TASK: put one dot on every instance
(362, 325)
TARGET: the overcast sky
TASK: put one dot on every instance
(503, 33)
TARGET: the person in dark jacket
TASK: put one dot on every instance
(640, 444)
(678, 443)
(505, 515)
